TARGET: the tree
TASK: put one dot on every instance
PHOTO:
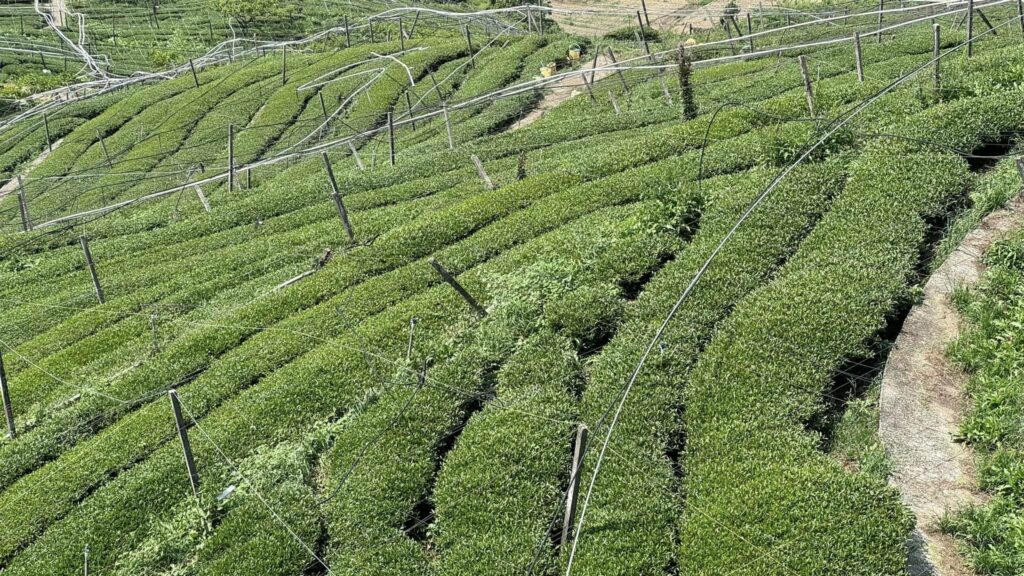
(246, 12)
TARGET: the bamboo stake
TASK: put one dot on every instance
(858, 56)
(451, 281)
(92, 268)
(808, 89)
(336, 197)
(186, 447)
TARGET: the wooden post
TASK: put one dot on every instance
(284, 65)
(878, 33)
(643, 36)
(391, 139)
(808, 89)
(664, 88)
(179, 422)
(195, 78)
(643, 4)
(590, 91)
(1020, 14)
(85, 565)
(615, 103)
(750, 32)
(987, 22)
(622, 77)
(728, 33)
(156, 19)
(481, 172)
(46, 128)
(355, 154)
(469, 42)
(401, 33)
(451, 281)
(26, 221)
(6, 394)
(415, 21)
(593, 65)
(936, 42)
(92, 268)
(412, 330)
(448, 125)
(574, 484)
(231, 157)
(970, 28)
(336, 197)
(248, 178)
(685, 88)
(372, 38)
(348, 34)
(1020, 168)
(857, 55)
(103, 145)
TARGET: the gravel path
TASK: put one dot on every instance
(923, 398)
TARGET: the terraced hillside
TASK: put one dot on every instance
(382, 363)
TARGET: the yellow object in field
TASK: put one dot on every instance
(574, 53)
(691, 42)
(549, 70)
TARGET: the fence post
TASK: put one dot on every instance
(284, 65)
(348, 34)
(469, 42)
(808, 89)
(186, 447)
(336, 197)
(448, 125)
(1020, 14)
(26, 221)
(1020, 168)
(750, 32)
(643, 35)
(685, 88)
(481, 172)
(858, 56)
(643, 4)
(936, 41)
(195, 77)
(92, 268)
(408, 105)
(6, 394)
(622, 77)
(401, 33)
(451, 281)
(574, 483)
(103, 145)
(590, 90)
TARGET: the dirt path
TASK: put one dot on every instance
(923, 398)
(561, 91)
(663, 14)
(12, 184)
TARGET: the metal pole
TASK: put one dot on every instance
(451, 281)
(193, 475)
(195, 78)
(336, 197)
(46, 128)
(92, 268)
(622, 77)
(858, 56)
(401, 33)
(284, 65)
(808, 89)
(323, 107)
(936, 42)
(26, 222)
(643, 4)
(878, 34)
(970, 28)
(448, 125)
(481, 172)
(391, 139)
(469, 42)
(590, 91)
(348, 34)
(574, 483)
(750, 32)
(1020, 14)
(103, 145)
(231, 157)
(408, 105)
(6, 394)
(643, 36)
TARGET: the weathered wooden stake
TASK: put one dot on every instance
(936, 42)
(481, 172)
(6, 394)
(92, 268)
(412, 331)
(1020, 14)
(415, 21)
(336, 197)
(448, 125)
(284, 65)
(401, 33)
(750, 32)
(202, 197)
(643, 36)
(615, 103)
(970, 28)
(987, 22)
(622, 77)
(355, 154)
(85, 564)
(574, 483)
(391, 139)
(808, 89)
(469, 42)
(26, 221)
(593, 65)
(195, 77)
(372, 38)
(878, 33)
(231, 157)
(186, 447)
(1020, 168)
(643, 4)
(857, 55)
(590, 91)
(451, 281)
(103, 145)
(348, 34)
(248, 178)
(46, 128)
